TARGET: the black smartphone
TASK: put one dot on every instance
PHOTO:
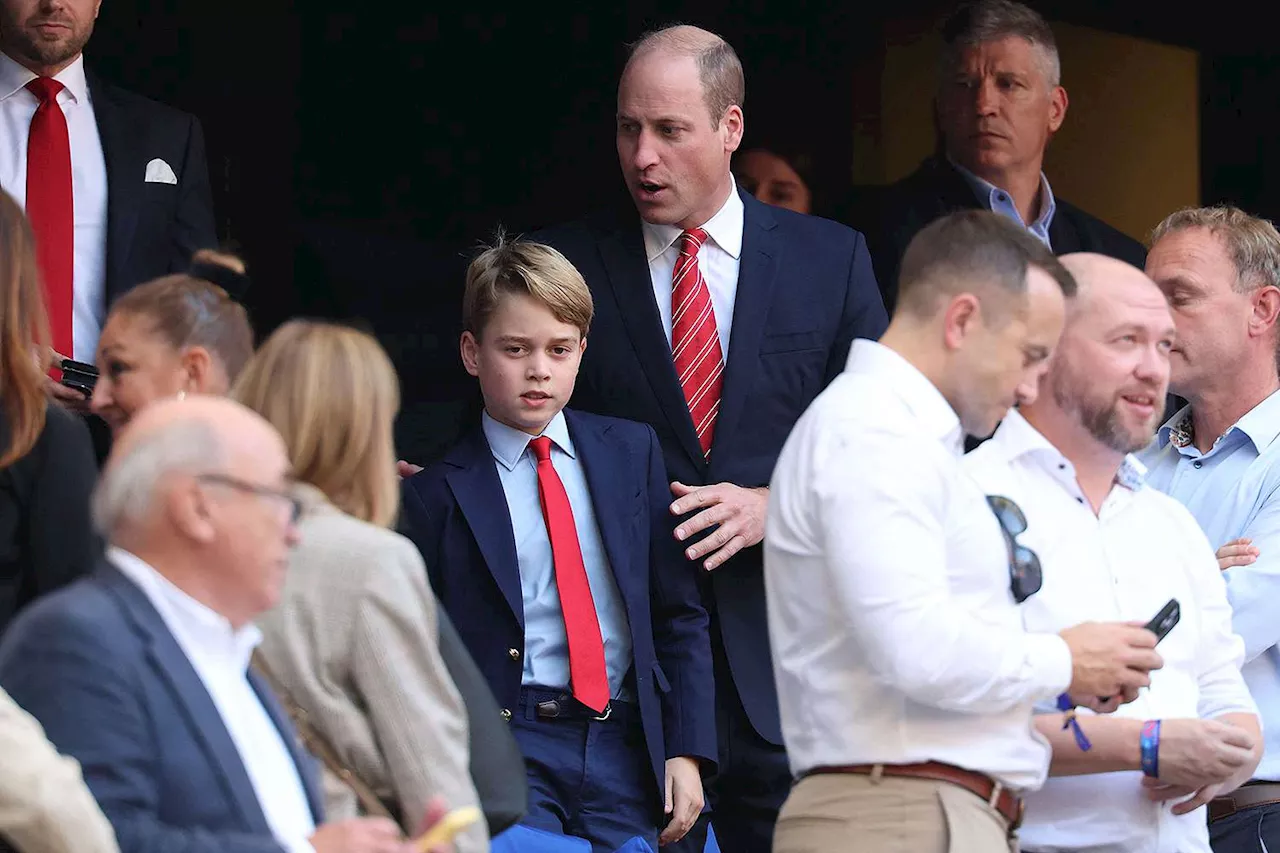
(1161, 625)
(79, 375)
(1164, 621)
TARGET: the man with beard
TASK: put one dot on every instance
(1111, 548)
(1220, 269)
(115, 185)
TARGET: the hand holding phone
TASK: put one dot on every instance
(79, 375)
(1160, 625)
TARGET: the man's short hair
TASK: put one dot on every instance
(992, 20)
(719, 68)
(974, 251)
(128, 486)
(532, 269)
(1252, 243)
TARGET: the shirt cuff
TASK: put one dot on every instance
(1049, 658)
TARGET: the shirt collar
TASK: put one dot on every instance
(1261, 425)
(724, 229)
(914, 388)
(1016, 438)
(508, 444)
(183, 614)
(15, 77)
(989, 194)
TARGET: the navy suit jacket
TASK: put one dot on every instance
(456, 513)
(96, 665)
(153, 229)
(892, 215)
(805, 291)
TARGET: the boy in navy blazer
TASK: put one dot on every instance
(547, 538)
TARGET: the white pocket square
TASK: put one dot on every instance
(160, 172)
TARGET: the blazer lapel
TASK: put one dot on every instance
(757, 274)
(1062, 234)
(478, 491)
(628, 274)
(123, 150)
(302, 760)
(203, 718)
(605, 462)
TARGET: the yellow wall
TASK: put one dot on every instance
(1129, 151)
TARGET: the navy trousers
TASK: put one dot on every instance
(1255, 830)
(753, 780)
(587, 778)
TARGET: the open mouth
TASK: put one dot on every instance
(1142, 402)
(649, 188)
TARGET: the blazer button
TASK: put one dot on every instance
(515, 653)
(506, 714)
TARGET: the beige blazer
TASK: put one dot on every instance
(354, 641)
(44, 804)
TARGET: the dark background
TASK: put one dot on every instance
(359, 151)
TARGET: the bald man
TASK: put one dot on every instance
(140, 671)
(1112, 549)
(766, 303)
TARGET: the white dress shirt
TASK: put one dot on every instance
(1125, 563)
(895, 635)
(88, 185)
(719, 260)
(220, 656)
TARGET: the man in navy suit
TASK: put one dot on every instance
(140, 671)
(787, 295)
(547, 539)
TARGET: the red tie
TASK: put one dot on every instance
(587, 673)
(695, 343)
(51, 208)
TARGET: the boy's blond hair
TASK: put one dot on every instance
(534, 269)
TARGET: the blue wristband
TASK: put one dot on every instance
(1070, 722)
(1150, 745)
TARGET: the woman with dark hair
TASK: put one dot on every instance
(47, 467)
(775, 178)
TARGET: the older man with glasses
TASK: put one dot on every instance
(141, 670)
(1099, 544)
(906, 679)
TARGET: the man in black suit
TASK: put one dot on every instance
(718, 320)
(116, 186)
(999, 103)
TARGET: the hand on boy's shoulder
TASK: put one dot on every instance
(736, 512)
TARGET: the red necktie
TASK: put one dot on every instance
(695, 343)
(587, 673)
(51, 208)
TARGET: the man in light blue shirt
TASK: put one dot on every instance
(998, 201)
(1220, 270)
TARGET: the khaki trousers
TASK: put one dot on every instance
(828, 813)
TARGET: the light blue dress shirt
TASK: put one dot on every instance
(1234, 491)
(998, 201)
(546, 648)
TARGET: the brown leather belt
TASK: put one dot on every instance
(1004, 801)
(1247, 797)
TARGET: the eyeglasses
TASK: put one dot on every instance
(1025, 575)
(295, 505)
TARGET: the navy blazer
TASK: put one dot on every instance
(96, 665)
(153, 229)
(805, 291)
(892, 215)
(456, 513)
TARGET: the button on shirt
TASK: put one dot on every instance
(719, 260)
(998, 201)
(895, 635)
(1234, 491)
(1124, 563)
(220, 656)
(88, 185)
(546, 657)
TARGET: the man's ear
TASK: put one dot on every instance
(469, 348)
(961, 319)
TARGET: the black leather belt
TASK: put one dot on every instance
(560, 705)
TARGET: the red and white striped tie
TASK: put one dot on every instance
(695, 342)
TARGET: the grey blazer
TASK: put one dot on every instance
(354, 641)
